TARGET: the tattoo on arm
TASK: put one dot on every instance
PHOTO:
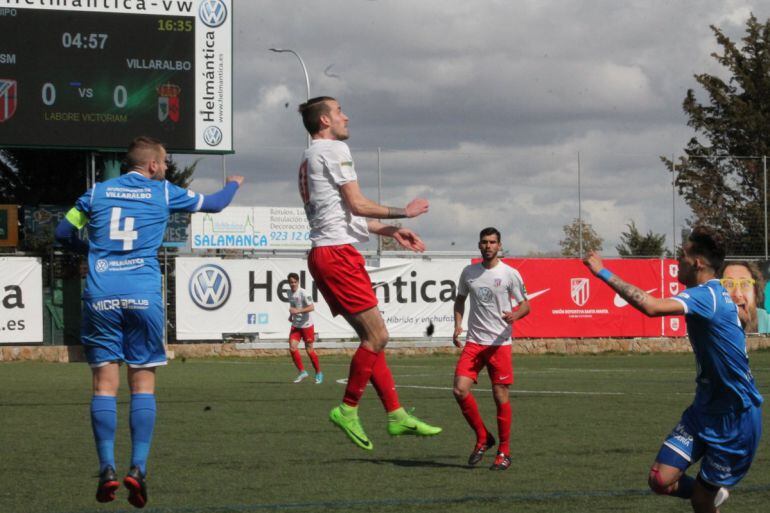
(635, 296)
(395, 213)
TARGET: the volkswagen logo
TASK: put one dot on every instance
(213, 13)
(101, 265)
(485, 295)
(209, 287)
(212, 135)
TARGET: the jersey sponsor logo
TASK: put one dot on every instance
(580, 290)
(8, 98)
(212, 136)
(105, 305)
(209, 287)
(212, 13)
(485, 295)
(129, 264)
(101, 265)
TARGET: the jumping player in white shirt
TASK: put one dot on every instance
(302, 328)
(490, 284)
(337, 212)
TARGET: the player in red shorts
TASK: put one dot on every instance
(490, 284)
(300, 306)
(337, 212)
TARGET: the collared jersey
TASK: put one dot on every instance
(127, 219)
(326, 166)
(301, 299)
(490, 292)
(724, 382)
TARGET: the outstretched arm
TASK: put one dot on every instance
(362, 206)
(636, 297)
(219, 200)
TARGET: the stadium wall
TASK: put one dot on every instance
(67, 354)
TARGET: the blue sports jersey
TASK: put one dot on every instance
(127, 219)
(724, 380)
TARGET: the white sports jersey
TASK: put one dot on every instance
(490, 291)
(326, 166)
(301, 299)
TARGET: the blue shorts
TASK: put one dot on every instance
(727, 443)
(124, 329)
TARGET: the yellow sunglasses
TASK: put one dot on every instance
(744, 283)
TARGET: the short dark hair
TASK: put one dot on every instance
(708, 244)
(312, 110)
(137, 151)
(490, 230)
(293, 275)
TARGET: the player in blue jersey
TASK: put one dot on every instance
(723, 425)
(123, 321)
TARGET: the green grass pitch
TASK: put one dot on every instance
(237, 436)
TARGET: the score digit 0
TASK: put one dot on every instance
(119, 95)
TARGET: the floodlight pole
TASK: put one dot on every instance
(304, 69)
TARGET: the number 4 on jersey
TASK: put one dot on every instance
(127, 234)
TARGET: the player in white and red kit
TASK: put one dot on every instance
(302, 328)
(490, 284)
(337, 212)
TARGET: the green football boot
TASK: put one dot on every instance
(346, 418)
(402, 423)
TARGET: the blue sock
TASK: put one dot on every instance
(104, 422)
(142, 421)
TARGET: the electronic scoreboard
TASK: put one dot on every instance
(94, 74)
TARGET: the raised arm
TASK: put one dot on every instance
(219, 200)
(636, 297)
(362, 206)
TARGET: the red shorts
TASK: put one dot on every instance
(497, 360)
(306, 334)
(340, 274)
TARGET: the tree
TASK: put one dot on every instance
(570, 244)
(727, 193)
(633, 243)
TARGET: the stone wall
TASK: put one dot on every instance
(521, 346)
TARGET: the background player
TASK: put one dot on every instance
(490, 284)
(123, 319)
(723, 424)
(300, 308)
(337, 211)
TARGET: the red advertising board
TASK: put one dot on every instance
(568, 301)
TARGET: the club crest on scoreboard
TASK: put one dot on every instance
(8, 98)
(168, 103)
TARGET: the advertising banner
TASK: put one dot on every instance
(215, 296)
(251, 228)
(21, 300)
(568, 302)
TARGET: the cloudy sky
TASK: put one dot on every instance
(484, 107)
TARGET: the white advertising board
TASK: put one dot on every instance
(215, 296)
(21, 300)
(251, 228)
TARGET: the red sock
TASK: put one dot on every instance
(361, 367)
(471, 413)
(314, 359)
(504, 427)
(297, 360)
(382, 379)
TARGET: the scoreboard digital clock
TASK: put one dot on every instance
(95, 74)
